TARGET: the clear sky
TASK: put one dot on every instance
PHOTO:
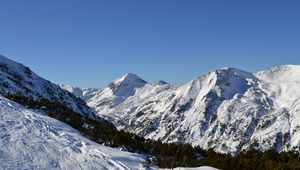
(89, 43)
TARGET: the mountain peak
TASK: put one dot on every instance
(129, 78)
(126, 85)
(161, 82)
(131, 75)
(231, 71)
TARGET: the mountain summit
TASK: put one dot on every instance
(225, 109)
(126, 85)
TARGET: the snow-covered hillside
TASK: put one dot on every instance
(226, 109)
(18, 79)
(33, 141)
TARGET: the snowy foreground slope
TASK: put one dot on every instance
(31, 141)
(226, 109)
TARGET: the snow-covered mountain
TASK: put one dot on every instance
(17, 79)
(33, 141)
(226, 109)
(83, 93)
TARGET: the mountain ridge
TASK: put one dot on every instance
(226, 109)
(17, 79)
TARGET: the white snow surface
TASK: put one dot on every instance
(225, 109)
(33, 141)
(84, 93)
(16, 78)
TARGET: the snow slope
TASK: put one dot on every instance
(18, 79)
(225, 109)
(33, 141)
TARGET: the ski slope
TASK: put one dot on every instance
(29, 140)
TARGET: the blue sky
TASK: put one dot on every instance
(90, 43)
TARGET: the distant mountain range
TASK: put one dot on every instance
(225, 109)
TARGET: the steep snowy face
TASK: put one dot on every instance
(226, 109)
(126, 85)
(20, 80)
(282, 84)
(33, 141)
(116, 92)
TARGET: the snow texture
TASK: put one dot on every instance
(225, 109)
(18, 79)
(33, 141)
